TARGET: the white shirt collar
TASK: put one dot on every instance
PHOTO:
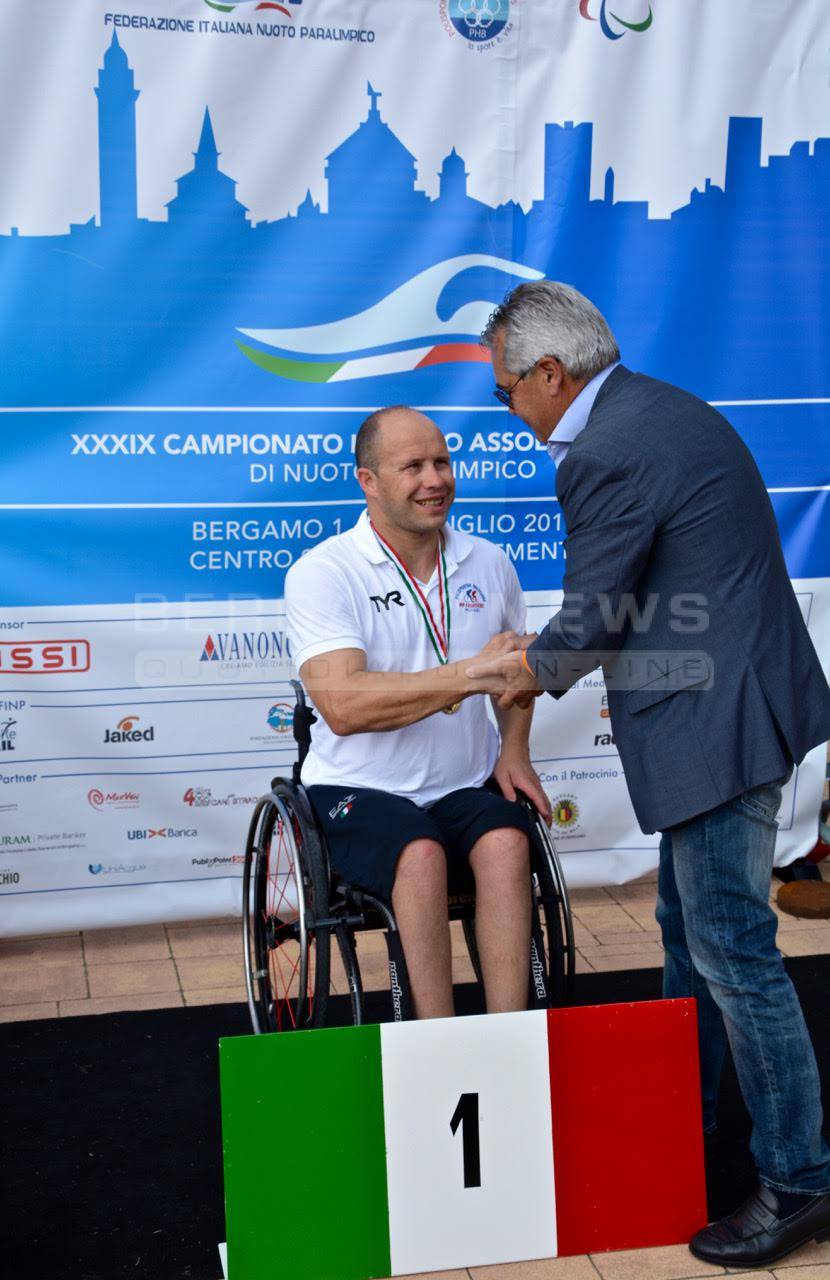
(575, 418)
(457, 545)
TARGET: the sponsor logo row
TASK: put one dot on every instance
(132, 729)
(74, 656)
(12, 879)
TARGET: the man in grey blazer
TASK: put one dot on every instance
(676, 586)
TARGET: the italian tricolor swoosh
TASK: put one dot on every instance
(428, 1146)
(403, 331)
(364, 366)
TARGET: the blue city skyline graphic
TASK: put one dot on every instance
(721, 297)
(182, 321)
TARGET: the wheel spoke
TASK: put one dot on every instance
(290, 889)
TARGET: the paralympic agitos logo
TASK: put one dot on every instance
(605, 17)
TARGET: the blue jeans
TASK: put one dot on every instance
(719, 936)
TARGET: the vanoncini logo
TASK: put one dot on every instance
(606, 18)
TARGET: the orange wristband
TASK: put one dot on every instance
(526, 664)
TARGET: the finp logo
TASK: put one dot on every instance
(401, 333)
(232, 5)
(603, 19)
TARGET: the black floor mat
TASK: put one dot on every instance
(112, 1163)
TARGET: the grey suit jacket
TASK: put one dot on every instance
(676, 586)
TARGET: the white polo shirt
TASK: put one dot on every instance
(346, 594)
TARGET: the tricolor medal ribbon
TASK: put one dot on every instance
(439, 636)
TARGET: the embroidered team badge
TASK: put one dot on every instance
(470, 597)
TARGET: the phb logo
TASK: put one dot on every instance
(479, 21)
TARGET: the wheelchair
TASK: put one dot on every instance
(294, 905)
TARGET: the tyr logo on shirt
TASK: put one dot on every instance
(393, 597)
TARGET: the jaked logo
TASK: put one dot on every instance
(609, 31)
(125, 731)
(401, 333)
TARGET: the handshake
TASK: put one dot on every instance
(499, 669)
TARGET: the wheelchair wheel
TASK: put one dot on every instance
(553, 954)
(284, 894)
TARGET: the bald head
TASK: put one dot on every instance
(405, 472)
(390, 427)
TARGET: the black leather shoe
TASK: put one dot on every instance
(756, 1234)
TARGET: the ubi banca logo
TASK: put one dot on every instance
(162, 833)
(126, 731)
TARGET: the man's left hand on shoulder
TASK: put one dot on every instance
(514, 771)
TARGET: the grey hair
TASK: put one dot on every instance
(546, 318)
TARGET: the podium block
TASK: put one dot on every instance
(376, 1151)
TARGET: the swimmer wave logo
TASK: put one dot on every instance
(401, 333)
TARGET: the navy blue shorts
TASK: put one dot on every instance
(367, 831)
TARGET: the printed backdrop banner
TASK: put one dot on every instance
(230, 230)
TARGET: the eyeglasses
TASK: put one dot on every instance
(504, 394)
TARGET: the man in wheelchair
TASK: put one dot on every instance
(384, 619)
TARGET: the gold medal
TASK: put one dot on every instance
(451, 709)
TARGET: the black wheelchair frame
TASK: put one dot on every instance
(293, 903)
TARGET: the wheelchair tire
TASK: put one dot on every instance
(553, 954)
(285, 891)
